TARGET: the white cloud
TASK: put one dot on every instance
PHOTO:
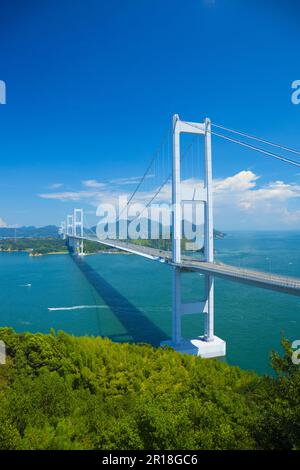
(241, 181)
(129, 180)
(56, 186)
(241, 204)
(93, 184)
(68, 195)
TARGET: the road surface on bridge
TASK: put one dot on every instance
(261, 279)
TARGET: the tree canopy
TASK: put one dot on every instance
(63, 392)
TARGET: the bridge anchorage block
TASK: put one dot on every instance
(199, 347)
(209, 349)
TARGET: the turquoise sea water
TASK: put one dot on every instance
(128, 298)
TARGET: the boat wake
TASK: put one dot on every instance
(75, 307)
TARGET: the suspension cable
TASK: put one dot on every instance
(162, 185)
(249, 136)
(87, 226)
(145, 174)
(152, 199)
(253, 147)
(258, 149)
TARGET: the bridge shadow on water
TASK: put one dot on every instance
(138, 326)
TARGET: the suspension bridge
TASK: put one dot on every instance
(206, 344)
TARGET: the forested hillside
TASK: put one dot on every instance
(44, 246)
(63, 392)
(34, 246)
(30, 231)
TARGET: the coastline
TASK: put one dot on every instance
(33, 255)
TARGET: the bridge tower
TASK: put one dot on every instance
(62, 230)
(70, 231)
(78, 231)
(206, 345)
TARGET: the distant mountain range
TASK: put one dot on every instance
(189, 228)
(50, 231)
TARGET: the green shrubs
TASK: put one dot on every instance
(63, 392)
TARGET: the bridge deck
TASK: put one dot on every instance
(246, 276)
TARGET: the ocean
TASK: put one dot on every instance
(128, 298)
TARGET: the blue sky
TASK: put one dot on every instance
(92, 85)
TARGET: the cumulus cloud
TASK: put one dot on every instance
(241, 181)
(240, 203)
